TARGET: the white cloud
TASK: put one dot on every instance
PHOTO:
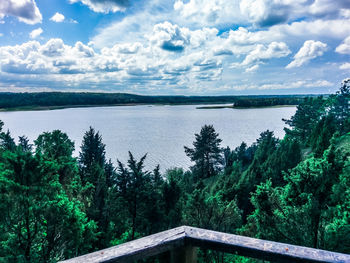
(345, 66)
(265, 12)
(283, 86)
(58, 18)
(262, 13)
(73, 21)
(242, 36)
(53, 48)
(337, 29)
(25, 10)
(328, 8)
(344, 48)
(104, 6)
(80, 64)
(170, 37)
(262, 53)
(252, 68)
(36, 32)
(208, 12)
(310, 50)
(297, 85)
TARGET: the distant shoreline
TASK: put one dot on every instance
(241, 107)
(43, 108)
(59, 100)
(209, 107)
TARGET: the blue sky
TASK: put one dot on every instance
(187, 47)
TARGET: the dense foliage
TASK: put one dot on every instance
(70, 99)
(296, 189)
(266, 102)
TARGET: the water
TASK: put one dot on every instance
(160, 131)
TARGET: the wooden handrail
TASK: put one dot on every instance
(182, 241)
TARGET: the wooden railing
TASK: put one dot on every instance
(182, 243)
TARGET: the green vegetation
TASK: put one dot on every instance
(59, 100)
(294, 190)
(267, 101)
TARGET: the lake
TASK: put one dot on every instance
(160, 131)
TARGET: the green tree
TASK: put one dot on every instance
(56, 147)
(92, 154)
(303, 121)
(322, 134)
(133, 188)
(340, 106)
(38, 222)
(172, 193)
(92, 166)
(206, 153)
(299, 211)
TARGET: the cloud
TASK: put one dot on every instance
(73, 21)
(297, 85)
(344, 48)
(329, 8)
(337, 29)
(58, 18)
(170, 37)
(36, 32)
(262, 53)
(261, 13)
(265, 12)
(310, 50)
(242, 36)
(345, 66)
(208, 12)
(81, 65)
(105, 6)
(53, 48)
(252, 68)
(283, 86)
(25, 10)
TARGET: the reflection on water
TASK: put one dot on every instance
(160, 131)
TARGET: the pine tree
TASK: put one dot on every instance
(206, 153)
(92, 166)
(133, 186)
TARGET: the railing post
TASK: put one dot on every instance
(186, 254)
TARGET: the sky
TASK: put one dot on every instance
(175, 47)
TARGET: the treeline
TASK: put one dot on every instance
(68, 99)
(296, 190)
(266, 102)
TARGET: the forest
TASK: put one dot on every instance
(296, 190)
(44, 100)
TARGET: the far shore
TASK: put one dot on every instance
(236, 107)
(43, 108)
(206, 107)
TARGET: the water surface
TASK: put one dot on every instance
(160, 131)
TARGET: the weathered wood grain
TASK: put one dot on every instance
(180, 241)
(261, 249)
(136, 249)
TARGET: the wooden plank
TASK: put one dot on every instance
(260, 249)
(179, 240)
(136, 249)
